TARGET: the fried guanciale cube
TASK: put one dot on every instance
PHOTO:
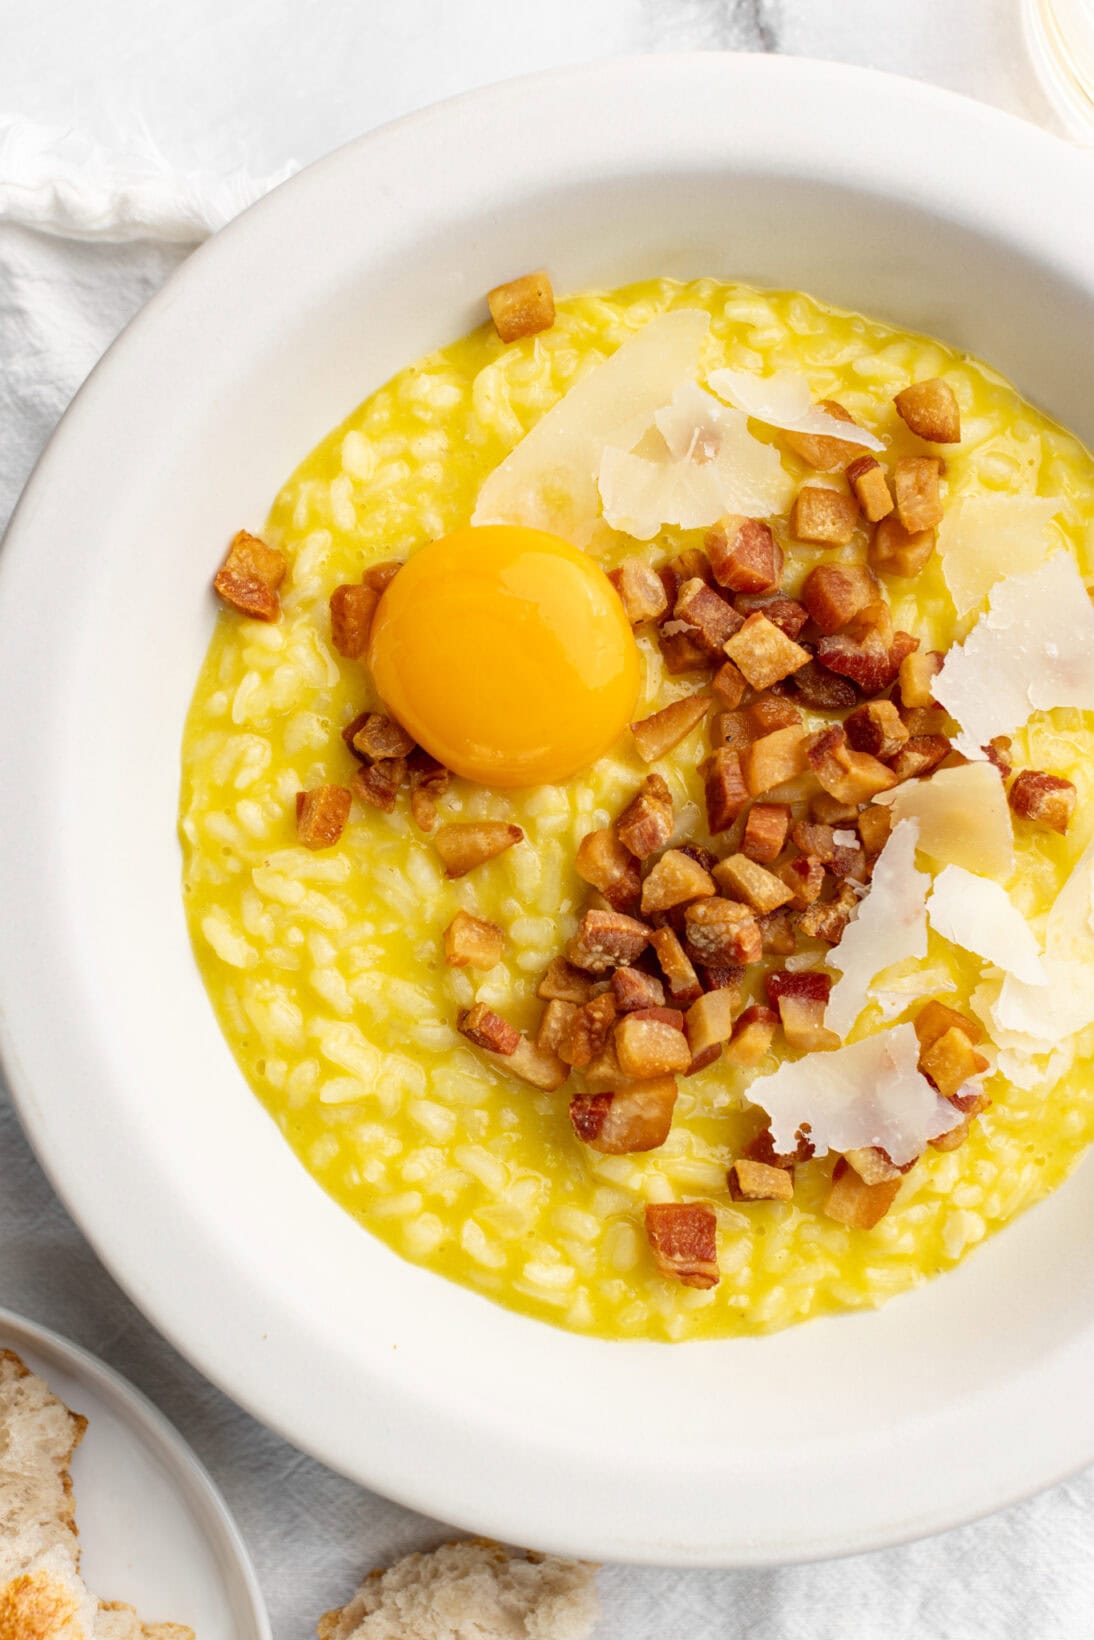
(876, 727)
(631, 989)
(897, 551)
(744, 555)
(875, 822)
(801, 1000)
(659, 733)
(732, 730)
(711, 618)
(765, 832)
(785, 613)
(465, 844)
(641, 591)
(536, 1066)
(709, 1020)
(821, 450)
(380, 576)
(472, 942)
(725, 789)
(728, 685)
(763, 654)
(554, 1026)
(752, 883)
(850, 776)
(804, 877)
(835, 593)
(757, 1182)
(250, 575)
(773, 759)
(919, 755)
(867, 478)
(648, 1043)
(647, 822)
(915, 486)
(564, 982)
(930, 409)
(827, 919)
(321, 815)
(934, 1019)
(523, 307)
(681, 650)
(916, 676)
(822, 691)
(677, 967)
(869, 657)
(608, 865)
(676, 879)
(872, 1164)
(826, 810)
(856, 1204)
(428, 781)
(379, 736)
(770, 712)
(722, 931)
(607, 940)
(377, 784)
(753, 1034)
(588, 1030)
(824, 515)
(486, 1029)
(1047, 799)
(951, 1060)
(683, 1241)
(351, 610)
(627, 1120)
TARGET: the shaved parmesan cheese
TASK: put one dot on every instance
(984, 537)
(785, 401)
(889, 925)
(548, 481)
(978, 915)
(963, 817)
(1031, 651)
(868, 1094)
(1038, 1016)
(703, 463)
(893, 993)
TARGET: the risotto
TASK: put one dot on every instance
(374, 1022)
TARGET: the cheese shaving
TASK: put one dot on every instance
(1035, 1018)
(784, 400)
(984, 537)
(548, 481)
(963, 817)
(1033, 650)
(870, 1093)
(889, 926)
(978, 915)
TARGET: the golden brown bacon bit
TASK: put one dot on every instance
(603, 1073)
(877, 728)
(731, 729)
(804, 876)
(919, 755)
(763, 654)
(744, 555)
(680, 650)
(711, 617)
(821, 450)
(604, 862)
(380, 737)
(867, 478)
(757, 1182)
(720, 976)
(554, 1026)
(917, 674)
(758, 887)
(855, 1204)
(895, 550)
(827, 919)
(869, 658)
(627, 1120)
(971, 1105)
(249, 577)
(428, 781)
(753, 1035)
(351, 610)
(676, 879)
(321, 815)
(632, 989)
(486, 1029)
(925, 720)
(472, 942)
(683, 1241)
(915, 485)
(535, 1066)
(801, 1000)
(850, 776)
(465, 844)
(930, 410)
(824, 515)
(728, 685)
(779, 931)
(834, 594)
(997, 752)
(765, 832)
(588, 1030)
(676, 965)
(659, 733)
(606, 940)
(951, 1061)
(768, 713)
(648, 1046)
(827, 810)
(380, 576)
(821, 690)
(873, 1165)
(709, 1020)
(1046, 799)
(641, 591)
(785, 613)
(773, 759)
(934, 1019)
(647, 822)
(875, 822)
(563, 982)
(378, 783)
(722, 931)
(725, 789)
(523, 306)
(814, 837)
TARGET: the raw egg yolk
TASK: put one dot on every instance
(506, 654)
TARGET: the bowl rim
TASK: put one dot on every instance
(949, 128)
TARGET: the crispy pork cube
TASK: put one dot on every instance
(523, 307)
(919, 755)
(770, 712)
(379, 737)
(757, 1182)
(537, 1066)
(728, 685)
(722, 931)
(1047, 799)
(850, 776)
(641, 591)
(554, 1026)
(683, 1241)
(867, 478)
(765, 832)
(872, 1165)
(377, 784)
(648, 1047)
(725, 788)
(871, 659)
(564, 982)
(472, 942)
(659, 733)
(689, 565)
(647, 822)
(626, 1120)
(351, 610)
(677, 967)
(875, 822)
(602, 1074)
(951, 1061)
(428, 781)
(917, 674)
(681, 650)
(930, 410)
(801, 1000)
(821, 450)
(779, 932)
(773, 759)
(709, 1020)
(607, 940)
(763, 654)
(606, 864)
(731, 729)
(747, 881)
(631, 989)
(744, 555)
(876, 727)
(925, 720)
(835, 593)
(676, 879)
(815, 837)
(824, 515)
(711, 618)
(998, 753)
(804, 877)
(827, 810)
(249, 577)
(826, 919)
(915, 486)
(785, 613)
(321, 815)
(934, 1019)
(895, 550)
(588, 1030)
(465, 844)
(820, 690)
(486, 1029)
(380, 576)
(858, 1205)
(753, 1034)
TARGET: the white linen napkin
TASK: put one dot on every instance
(84, 241)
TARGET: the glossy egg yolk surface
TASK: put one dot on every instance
(506, 654)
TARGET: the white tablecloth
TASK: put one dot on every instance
(152, 123)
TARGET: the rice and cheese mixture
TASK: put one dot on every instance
(326, 969)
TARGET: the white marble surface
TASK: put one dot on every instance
(257, 84)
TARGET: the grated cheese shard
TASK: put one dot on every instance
(870, 1093)
(978, 915)
(889, 926)
(548, 480)
(982, 538)
(963, 818)
(1034, 1018)
(784, 400)
(1033, 650)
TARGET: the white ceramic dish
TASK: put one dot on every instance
(834, 1437)
(154, 1531)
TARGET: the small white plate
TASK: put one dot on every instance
(154, 1530)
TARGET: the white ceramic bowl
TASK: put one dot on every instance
(841, 1435)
